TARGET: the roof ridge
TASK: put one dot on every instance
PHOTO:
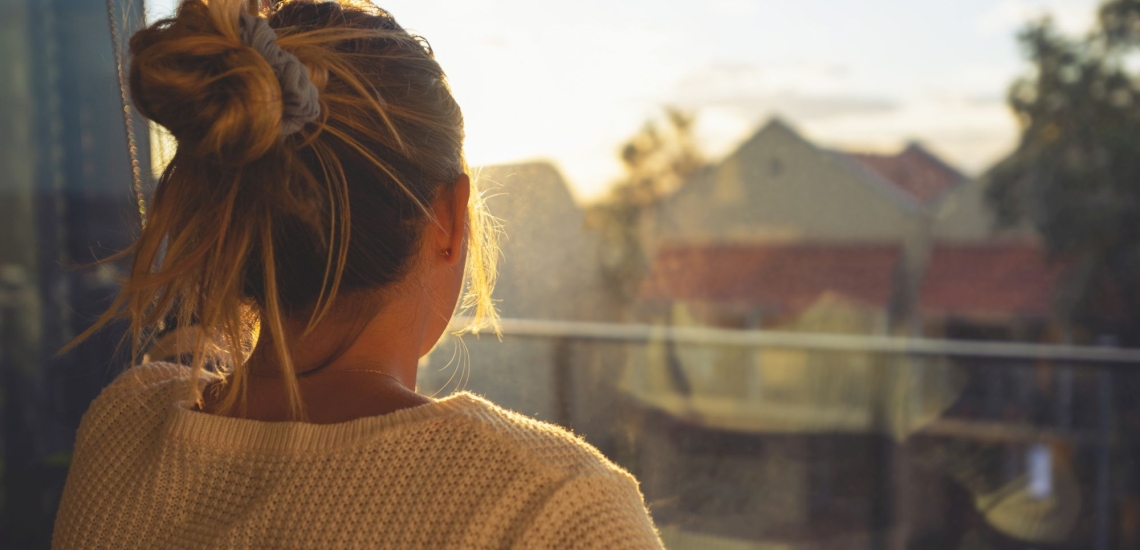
(873, 178)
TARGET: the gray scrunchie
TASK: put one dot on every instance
(298, 93)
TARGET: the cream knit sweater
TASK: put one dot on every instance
(148, 472)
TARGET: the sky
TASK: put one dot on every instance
(539, 79)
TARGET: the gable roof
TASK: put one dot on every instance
(914, 170)
(788, 277)
(914, 178)
(989, 280)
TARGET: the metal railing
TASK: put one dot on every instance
(1104, 359)
(630, 332)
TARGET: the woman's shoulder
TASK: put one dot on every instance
(148, 376)
(137, 394)
(570, 488)
(145, 382)
(546, 445)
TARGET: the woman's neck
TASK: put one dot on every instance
(345, 369)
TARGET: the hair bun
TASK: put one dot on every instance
(298, 93)
(219, 98)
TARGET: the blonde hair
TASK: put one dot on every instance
(249, 229)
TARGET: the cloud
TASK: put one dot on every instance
(972, 132)
(809, 107)
(1071, 16)
(802, 92)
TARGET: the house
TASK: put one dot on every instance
(784, 235)
(779, 186)
(780, 189)
(788, 236)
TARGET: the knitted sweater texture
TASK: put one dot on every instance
(149, 472)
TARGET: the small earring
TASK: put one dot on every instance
(445, 253)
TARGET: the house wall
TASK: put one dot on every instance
(779, 186)
(964, 217)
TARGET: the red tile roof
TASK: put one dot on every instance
(914, 170)
(787, 277)
(989, 280)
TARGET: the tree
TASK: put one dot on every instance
(1076, 171)
(658, 159)
(1076, 176)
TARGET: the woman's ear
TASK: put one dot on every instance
(454, 219)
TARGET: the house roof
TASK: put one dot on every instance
(914, 170)
(789, 277)
(988, 280)
(914, 178)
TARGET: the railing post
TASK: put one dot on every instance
(563, 384)
(882, 499)
(1103, 496)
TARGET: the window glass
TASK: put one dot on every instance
(67, 197)
(820, 274)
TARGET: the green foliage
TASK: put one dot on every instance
(1076, 171)
(1120, 21)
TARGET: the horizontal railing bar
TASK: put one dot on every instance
(628, 332)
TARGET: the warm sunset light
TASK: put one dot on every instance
(538, 82)
(726, 274)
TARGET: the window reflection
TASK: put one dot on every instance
(65, 199)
